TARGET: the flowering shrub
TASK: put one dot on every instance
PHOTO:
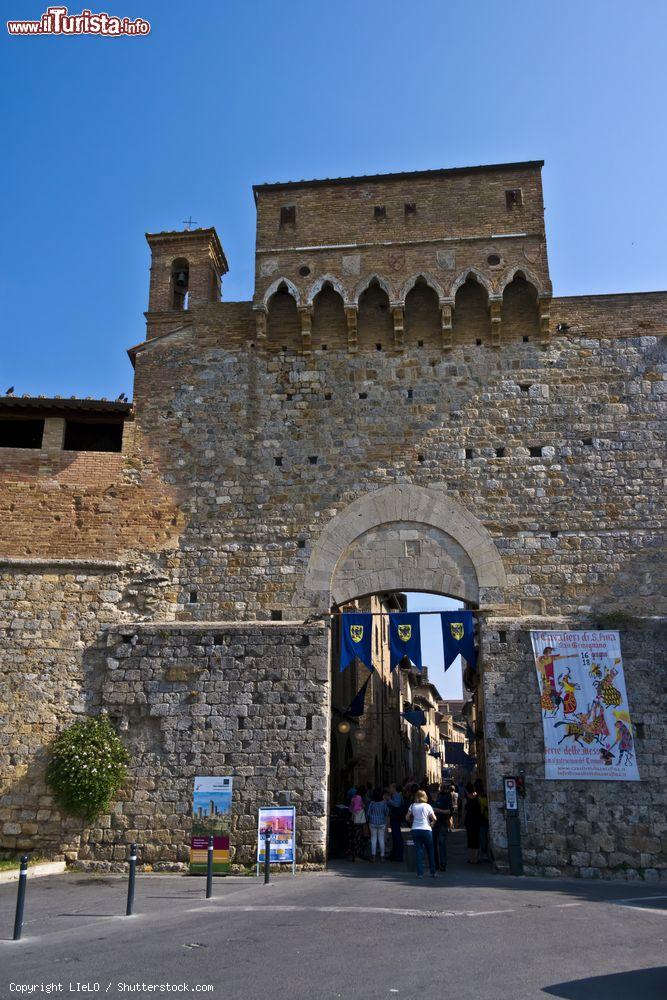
(87, 767)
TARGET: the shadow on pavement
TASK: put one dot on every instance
(649, 984)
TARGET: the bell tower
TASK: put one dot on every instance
(186, 271)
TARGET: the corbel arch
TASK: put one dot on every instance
(363, 285)
(275, 285)
(525, 273)
(471, 272)
(327, 279)
(429, 279)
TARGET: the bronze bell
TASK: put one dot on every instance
(181, 278)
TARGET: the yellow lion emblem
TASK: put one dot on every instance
(404, 632)
(356, 633)
(457, 630)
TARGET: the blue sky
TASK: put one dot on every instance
(105, 139)
(449, 683)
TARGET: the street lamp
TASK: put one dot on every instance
(343, 726)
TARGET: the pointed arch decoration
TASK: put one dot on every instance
(528, 275)
(430, 281)
(471, 272)
(275, 285)
(363, 285)
(327, 279)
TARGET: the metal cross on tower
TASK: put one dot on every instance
(188, 223)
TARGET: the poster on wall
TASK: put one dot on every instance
(281, 820)
(585, 715)
(211, 814)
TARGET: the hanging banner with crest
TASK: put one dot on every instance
(355, 640)
(405, 648)
(458, 637)
(585, 714)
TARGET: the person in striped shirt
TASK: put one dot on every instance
(377, 815)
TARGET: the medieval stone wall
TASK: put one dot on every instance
(602, 829)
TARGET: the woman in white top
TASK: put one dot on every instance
(422, 818)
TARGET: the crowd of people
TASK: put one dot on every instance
(430, 811)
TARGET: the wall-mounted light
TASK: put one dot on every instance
(343, 727)
(360, 736)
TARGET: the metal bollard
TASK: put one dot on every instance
(267, 854)
(130, 882)
(20, 898)
(209, 869)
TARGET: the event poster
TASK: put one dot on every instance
(211, 814)
(282, 822)
(585, 715)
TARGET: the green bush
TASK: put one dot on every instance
(87, 766)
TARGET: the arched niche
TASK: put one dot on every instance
(520, 311)
(329, 326)
(422, 316)
(283, 325)
(375, 324)
(471, 313)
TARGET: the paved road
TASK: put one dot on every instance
(355, 932)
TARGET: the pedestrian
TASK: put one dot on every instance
(455, 804)
(422, 816)
(461, 789)
(472, 820)
(396, 817)
(484, 821)
(357, 822)
(378, 814)
(442, 808)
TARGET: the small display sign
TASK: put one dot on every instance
(211, 814)
(281, 822)
(511, 798)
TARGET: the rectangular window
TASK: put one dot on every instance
(287, 216)
(83, 435)
(21, 433)
(513, 199)
(410, 209)
(379, 213)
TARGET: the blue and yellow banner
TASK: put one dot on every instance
(458, 637)
(355, 640)
(405, 648)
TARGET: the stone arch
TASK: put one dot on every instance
(429, 279)
(469, 566)
(363, 285)
(526, 274)
(319, 284)
(471, 272)
(275, 285)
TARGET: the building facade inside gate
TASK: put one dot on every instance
(404, 405)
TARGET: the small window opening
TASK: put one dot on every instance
(287, 216)
(410, 209)
(468, 453)
(241, 721)
(81, 435)
(554, 534)
(180, 282)
(587, 442)
(478, 342)
(378, 347)
(312, 459)
(526, 339)
(502, 729)
(493, 260)
(327, 395)
(420, 343)
(524, 386)
(420, 459)
(218, 640)
(500, 452)
(278, 460)
(21, 433)
(309, 722)
(536, 452)
(513, 198)
(410, 393)
(325, 347)
(193, 597)
(502, 636)
(276, 616)
(363, 395)
(301, 544)
(379, 213)
(304, 271)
